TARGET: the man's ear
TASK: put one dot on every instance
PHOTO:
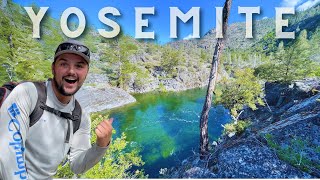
(52, 68)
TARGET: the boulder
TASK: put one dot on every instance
(94, 99)
(278, 94)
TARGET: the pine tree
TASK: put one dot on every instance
(289, 63)
(297, 64)
(170, 60)
(117, 55)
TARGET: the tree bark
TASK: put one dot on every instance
(10, 41)
(204, 140)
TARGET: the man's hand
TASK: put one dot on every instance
(104, 132)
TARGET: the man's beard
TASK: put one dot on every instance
(61, 90)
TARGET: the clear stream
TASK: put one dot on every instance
(166, 126)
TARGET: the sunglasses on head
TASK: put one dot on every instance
(74, 47)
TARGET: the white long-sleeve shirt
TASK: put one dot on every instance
(35, 152)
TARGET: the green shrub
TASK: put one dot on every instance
(162, 88)
(116, 163)
(237, 128)
(295, 152)
(242, 90)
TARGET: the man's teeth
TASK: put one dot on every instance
(70, 80)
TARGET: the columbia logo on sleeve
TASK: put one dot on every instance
(16, 142)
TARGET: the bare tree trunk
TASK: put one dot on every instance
(204, 140)
(10, 41)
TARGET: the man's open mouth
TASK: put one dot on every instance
(70, 81)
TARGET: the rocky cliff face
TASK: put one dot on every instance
(97, 95)
(282, 142)
(183, 81)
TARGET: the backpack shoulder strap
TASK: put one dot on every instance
(41, 106)
(42, 98)
(77, 112)
(75, 117)
(4, 92)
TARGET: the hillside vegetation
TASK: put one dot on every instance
(142, 66)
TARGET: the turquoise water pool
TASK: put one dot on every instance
(166, 126)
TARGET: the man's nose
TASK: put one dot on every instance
(72, 70)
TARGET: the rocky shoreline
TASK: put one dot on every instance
(95, 99)
(97, 95)
(282, 141)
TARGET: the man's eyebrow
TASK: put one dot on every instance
(62, 59)
(81, 62)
